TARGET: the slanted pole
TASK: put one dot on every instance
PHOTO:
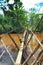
(38, 57)
(10, 37)
(31, 54)
(19, 57)
(8, 51)
(37, 39)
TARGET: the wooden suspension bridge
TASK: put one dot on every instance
(27, 55)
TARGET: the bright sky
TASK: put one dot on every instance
(11, 1)
(30, 3)
(1, 12)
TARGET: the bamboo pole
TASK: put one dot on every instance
(31, 54)
(19, 57)
(2, 54)
(8, 51)
(37, 39)
(10, 37)
(38, 57)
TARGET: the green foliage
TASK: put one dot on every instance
(18, 19)
(36, 22)
(15, 19)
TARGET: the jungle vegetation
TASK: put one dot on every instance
(17, 18)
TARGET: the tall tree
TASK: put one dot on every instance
(16, 16)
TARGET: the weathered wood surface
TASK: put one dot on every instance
(8, 41)
(31, 46)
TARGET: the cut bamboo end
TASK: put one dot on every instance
(17, 64)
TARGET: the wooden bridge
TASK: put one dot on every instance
(28, 45)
